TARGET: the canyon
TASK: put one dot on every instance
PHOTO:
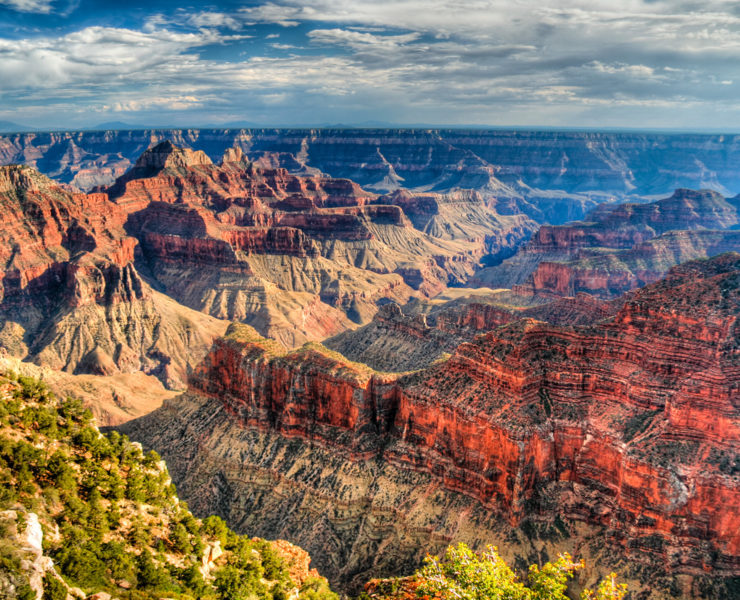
(620, 247)
(460, 185)
(552, 176)
(299, 258)
(140, 277)
(617, 440)
(375, 343)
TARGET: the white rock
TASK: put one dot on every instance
(32, 537)
(216, 550)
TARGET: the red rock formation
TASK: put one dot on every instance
(397, 342)
(609, 274)
(169, 174)
(271, 233)
(71, 298)
(621, 248)
(623, 425)
(297, 561)
(626, 225)
(50, 236)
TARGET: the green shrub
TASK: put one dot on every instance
(151, 459)
(53, 588)
(235, 584)
(271, 562)
(181, 539)
(82, 564)
(214, 527)
(121, 564)
(148, 574)
(465, 575)
(316, 589)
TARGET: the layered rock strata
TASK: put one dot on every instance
(300, 258)
(70, 295)
(620, 248)
(610, 274)
(618, 440)
(96, 283)
(552, 176)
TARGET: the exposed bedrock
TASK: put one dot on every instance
(620, 248)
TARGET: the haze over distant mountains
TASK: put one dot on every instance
(544, 173)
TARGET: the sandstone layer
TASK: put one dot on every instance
(618, 440)
(299, 258)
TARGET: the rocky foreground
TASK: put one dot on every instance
(617, 441)
(89, 516)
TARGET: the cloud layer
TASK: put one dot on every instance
(570, 63)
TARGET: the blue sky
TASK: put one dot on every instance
(573, 63)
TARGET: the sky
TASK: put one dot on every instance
(632, 64)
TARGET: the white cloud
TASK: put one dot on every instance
(639, 71)
(273, 13)
(30, 6)
(169, 102)
(438, 60)
(214, 19)
(97, 55)
(360, 40)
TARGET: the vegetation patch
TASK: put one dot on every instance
(466, 575)
(110, 516)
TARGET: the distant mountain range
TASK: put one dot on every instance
(13, 127)
(10, 127)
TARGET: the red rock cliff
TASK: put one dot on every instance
(631, 424)
(70, 295)
(620, 248)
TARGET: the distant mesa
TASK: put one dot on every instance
(164, 155)
(115, 126)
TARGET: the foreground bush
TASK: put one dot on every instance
(466, 575)
(110, 516)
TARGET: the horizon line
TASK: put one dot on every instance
(383, 127)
